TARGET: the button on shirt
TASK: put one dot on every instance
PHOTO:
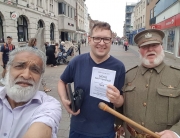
(14, 123)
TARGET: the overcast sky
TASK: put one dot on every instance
(111, 11)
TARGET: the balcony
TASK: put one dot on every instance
(128, 24)
(129, 11)
(66, 23)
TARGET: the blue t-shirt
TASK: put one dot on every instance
(5, 49)
(92, 121)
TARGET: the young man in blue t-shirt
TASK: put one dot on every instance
(4, 55)
(90, 121)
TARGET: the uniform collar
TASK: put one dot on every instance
(158, 68)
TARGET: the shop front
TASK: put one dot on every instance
(171, 28)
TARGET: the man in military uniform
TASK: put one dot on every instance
(152, 90)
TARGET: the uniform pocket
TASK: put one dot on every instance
(167, 106)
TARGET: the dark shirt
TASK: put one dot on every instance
(92, 121)
(5, 49)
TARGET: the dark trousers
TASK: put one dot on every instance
(126, 48)
(73, 134)
(79, 51)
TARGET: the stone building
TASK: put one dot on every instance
(21, 19)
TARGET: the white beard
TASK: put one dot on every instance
(19, 93)
(156, 62)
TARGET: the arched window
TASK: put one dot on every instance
(1, 31)
(51, 31)
(22, 29)
(40, 24)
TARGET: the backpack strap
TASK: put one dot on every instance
(4, 45)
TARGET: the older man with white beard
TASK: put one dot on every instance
(152, 90)
(26, 112)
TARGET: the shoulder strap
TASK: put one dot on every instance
(4, 45)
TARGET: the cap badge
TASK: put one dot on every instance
(148, 35)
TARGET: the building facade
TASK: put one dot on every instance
(21, 19)
(80, 27)
(139, 18)
(66, 19)
(150, 17)
(167, 16)
(86, 22)
(57, 17)
(127, 24)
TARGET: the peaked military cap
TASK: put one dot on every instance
(149, 36)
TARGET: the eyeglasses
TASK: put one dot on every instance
(106, 40)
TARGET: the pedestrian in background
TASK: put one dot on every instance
(50, 52)
(152, 90)
(6, 48)
(79, 47)
(32, 43)
(126, 44)
(90, 121)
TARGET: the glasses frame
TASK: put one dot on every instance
(102, 39)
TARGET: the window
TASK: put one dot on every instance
(170, 40)
(1, 31)
(62, 8)
(51, 5)
(52, 31)
(152, 13)
(143, 18)
(46, 4)
(68, 11)
(39, 3)
(71, 12)
(40, 24)
(22, 29)
(162, 5)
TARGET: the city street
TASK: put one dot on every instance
(129, 58)
(52, 74)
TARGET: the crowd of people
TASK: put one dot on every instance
(147, 93)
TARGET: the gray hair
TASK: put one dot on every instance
(35, 51)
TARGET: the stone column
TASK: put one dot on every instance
(48, 5)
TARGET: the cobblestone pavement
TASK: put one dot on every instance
(129, 58)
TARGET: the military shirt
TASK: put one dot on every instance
(152, 97)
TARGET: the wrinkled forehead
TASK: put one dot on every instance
(28, 57)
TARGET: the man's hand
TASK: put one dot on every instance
(119, 131)
(167, 134)
(1, 63)
(66, 104)
(113, 94)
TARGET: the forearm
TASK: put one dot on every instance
(38, 130)
(176, 128)
(120, 102)
(1, 57)
(62, 90)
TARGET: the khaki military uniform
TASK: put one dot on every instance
(152, 97)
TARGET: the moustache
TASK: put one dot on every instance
(150, 53)
(19, 80)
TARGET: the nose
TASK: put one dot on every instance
(150, 48)
(26, 74)
(101, 42)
